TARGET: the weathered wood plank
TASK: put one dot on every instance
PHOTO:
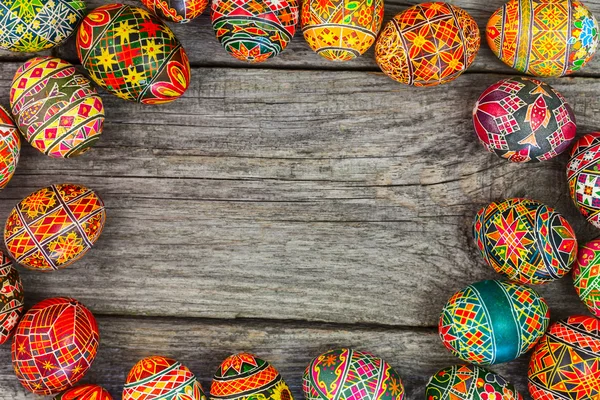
(254, 196)
(203, 344)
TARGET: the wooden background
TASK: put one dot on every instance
(290, 207)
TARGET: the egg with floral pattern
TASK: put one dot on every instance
(586, 276)
(180, 11)
(254, 30)
(132, 54)
(336, 374)
(341, 30)
(54, 226)
(543, 38)
(11, 298)
(85, 392)
(583, 176)
(10, 147)
(469, 382)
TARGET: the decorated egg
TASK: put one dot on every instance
(524, 119)
(35, 25)
(525, 240)
(254, 31)
(586, 275)
(54, 345)
(468, 382)
(11, 298)
(583, 175)
(181, 11)
(10, 147)
(346, 374)
(54, 227)
(341, 30)
(428, 44)
(85, 392)
(244, 376)
(132, 54)
(566, 362)
(161, 378)
(55, 107)
(543, 38)
(491, 322)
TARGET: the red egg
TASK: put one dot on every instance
(54, 345)
(11, 298)
(85, 392)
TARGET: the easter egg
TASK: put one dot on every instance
(428, 44)
(181, 11)
(543, 38)
(35, 25)
(347, 374)
(85, 392)
(11, 298)
(161, 378)
(524, 119)
(341, 30)
(133, 55)
(583, 175)
(57, 109)
(469, 382)
(254, 31)
(525, 240)
(586, 275)
(566, 362)
(491, 322)
(243, 376)
(54, 345)
(10, 147)
(54, 226)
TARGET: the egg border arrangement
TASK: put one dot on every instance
(130, 52)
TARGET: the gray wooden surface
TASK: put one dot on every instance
(288, 208)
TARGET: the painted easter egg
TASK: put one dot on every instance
(10, 147)
(254, 31)
(347, 374)
(428, 44)
(11, 298)
(583, 175)
(586, 275)
(525, 240)
(524, 119)
(161, 378)
(57, 109)
(341, 30)
(245, 376)
(469, 382)
(85, 392)
(566, 362)
(181, 11)
(132, 54)
(54, 227)
(30, 26)
(54, 345)
(543, 38)
(491, 322)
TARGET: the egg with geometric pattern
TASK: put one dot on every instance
(180, 11)
(12, 298)
(583, 176)
(54, 345)
(54, 226)
(566, 362)
(85, 392)
(56, 108)
(524, 120)
(469, 382)
(586, 276)
(161, 378)
(254, 30)
(348, 374)
(245, 376)
(10, 147)
(525, 240)
(491, 322)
